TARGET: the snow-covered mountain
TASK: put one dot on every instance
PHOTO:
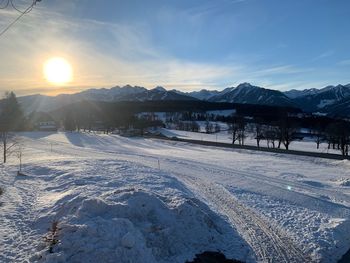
(339, 109)
(203, 94)
(111, 94)
(319, 99)
(247, 93)
(158, 93)
(294, 93)
(311, 100)
(127, 93)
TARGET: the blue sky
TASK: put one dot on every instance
(187, 45)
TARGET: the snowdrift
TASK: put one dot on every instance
(131, 225)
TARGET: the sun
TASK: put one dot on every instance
(58, 71)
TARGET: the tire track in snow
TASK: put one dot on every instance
(296, 186)
(269, 243)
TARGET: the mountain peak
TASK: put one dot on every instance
(249, 94)
(159, 88)
(245, 85)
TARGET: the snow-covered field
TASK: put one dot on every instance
(307, 145)
(105, 198)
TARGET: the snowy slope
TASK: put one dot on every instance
(129, 198)
(247, 93)
(330, 95)
(203, 94)
(300, 93)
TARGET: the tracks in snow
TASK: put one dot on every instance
(269, 243)
(222, 174)
(16, 220)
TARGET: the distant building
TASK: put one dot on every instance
(46, 126)
(42, 121)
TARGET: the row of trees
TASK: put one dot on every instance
(279, 131)
(285, 130)
(193, 126)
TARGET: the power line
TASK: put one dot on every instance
(7, 2)
(17, 9)
(29, 8)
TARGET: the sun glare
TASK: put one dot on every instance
(58, 71)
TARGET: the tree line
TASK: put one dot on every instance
(276, 126)
(283, 131)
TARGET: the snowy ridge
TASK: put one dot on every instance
(127, 93)
(246, 93)
(320, 99)
(300, 93)
(203, 94)
(309, 100)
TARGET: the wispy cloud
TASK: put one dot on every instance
(299, 85)
(344, 62)
(282, 69)
(325, 54)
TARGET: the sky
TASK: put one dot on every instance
(183, 44)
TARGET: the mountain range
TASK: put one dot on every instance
(333, 100)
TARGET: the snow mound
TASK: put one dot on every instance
(130, 225)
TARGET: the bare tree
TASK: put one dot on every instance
(242, 124)
(237, 128)
(318, 140)
(233, 130)
(217, 127)
(286, 131)
(318, 135)
(339, 134)
(11, 119)
(271, 135)
(331, 135)
(9, 145)
(208, 127)
(194, 126)
(257, 128)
